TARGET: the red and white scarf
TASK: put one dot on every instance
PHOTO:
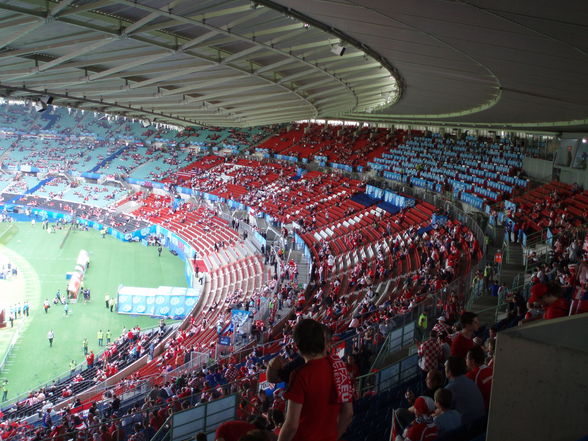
(342, 380)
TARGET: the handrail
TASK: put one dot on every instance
(164, 431)
(535, 238)
(385, 348)
(10, 346)
(368, 382)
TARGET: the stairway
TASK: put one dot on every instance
(128, 207)
(303, 266)
(485, 307)
(512, 264)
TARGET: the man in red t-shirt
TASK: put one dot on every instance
(233, 430)
(90, 359)
(479, 373)
(549, 296)
(537, 292)
(464, 341)
(555, 306)
(313, 412)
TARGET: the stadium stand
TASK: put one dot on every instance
(380, 261)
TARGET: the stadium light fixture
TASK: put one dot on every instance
(39, 106)
(338, 49)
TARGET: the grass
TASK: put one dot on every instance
(42, 268)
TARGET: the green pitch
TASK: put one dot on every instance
(42, 266)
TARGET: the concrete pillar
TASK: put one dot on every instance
(540, 385)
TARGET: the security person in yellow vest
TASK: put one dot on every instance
(422, 325)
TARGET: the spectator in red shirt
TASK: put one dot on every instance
(104, 434)
(464, 341)
(90, 359)
(550, 297)
(555, 305)
(312, 414)
(452, 307)
(479, 373)
(352, 366)
(401, 418)
(537, 292)
(233, 430)
(430, 353)
(422, 428)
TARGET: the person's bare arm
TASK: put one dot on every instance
(345, 417)
(290, 426)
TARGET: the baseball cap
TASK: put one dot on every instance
(423, 405)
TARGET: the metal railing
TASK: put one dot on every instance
(203, 418)
(397, 339)
(198, 360)
(13, 341)
(535, 238)
(394, 375)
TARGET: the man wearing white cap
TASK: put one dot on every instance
(441, 326)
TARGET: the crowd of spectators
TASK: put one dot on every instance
(423, 261)
(349, 145)
(556, 206)
(123, 351)
(104, 216)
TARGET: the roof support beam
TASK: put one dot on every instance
(188, 100)
(59, 7)
(245, 37)
(243, 53)
(136, 26)
(36, 24)
(87, 7)
(275, 65)
(197, 40)
(64, 58)
(21, 33)
(129, 65)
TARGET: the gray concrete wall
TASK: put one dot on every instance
(574, 175)
(539, 169)
(540, 386)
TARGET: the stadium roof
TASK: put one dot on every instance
(492, 63)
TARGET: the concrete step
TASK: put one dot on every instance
(127, 207)
(515, 254)
(485, 307)
(261, 223)
(271, 235)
